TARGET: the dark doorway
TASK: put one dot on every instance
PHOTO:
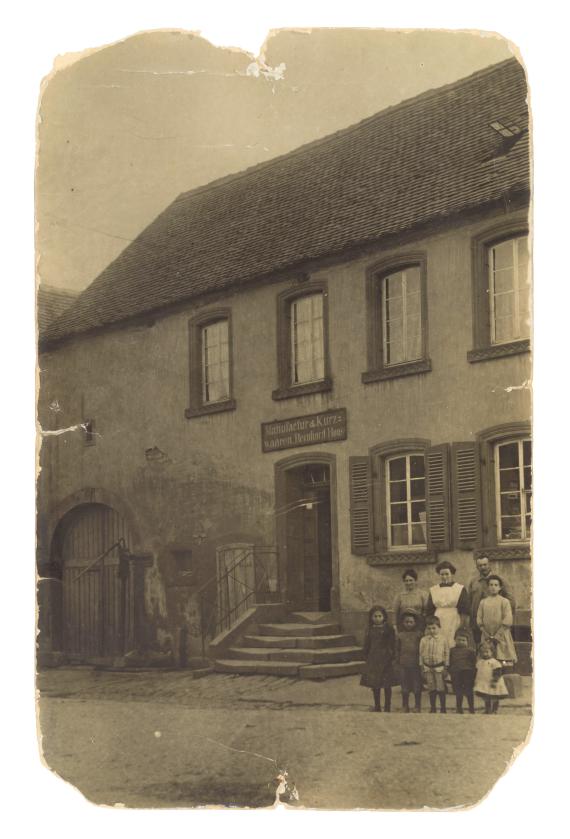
(308, 534)
(93, 593)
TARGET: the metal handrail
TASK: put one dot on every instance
(215, 592)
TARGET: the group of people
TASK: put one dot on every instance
(450, 634)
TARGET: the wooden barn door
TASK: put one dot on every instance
(92, 613)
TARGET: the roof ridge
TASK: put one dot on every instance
(319, 141)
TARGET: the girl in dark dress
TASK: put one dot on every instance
(380, 652)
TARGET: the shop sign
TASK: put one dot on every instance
(310, 430)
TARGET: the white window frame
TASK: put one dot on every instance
(525, 537)
(214, 328)
(411, 546)
(518, 332)
(317, 346)
(407, 356)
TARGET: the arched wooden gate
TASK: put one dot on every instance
(94, 592)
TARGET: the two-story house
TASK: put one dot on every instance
(302, 379)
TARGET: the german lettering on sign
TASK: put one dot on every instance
(325, 427)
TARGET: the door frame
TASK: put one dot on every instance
(281, 468)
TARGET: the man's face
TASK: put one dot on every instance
(484, 566)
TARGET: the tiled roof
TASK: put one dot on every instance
(51, 303)
(425, 159)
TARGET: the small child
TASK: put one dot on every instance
(462, 669)
(434, 658)
(379, 651)
(495, 618)
(489, 682)
(408, 648)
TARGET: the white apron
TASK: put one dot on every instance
(445, 600)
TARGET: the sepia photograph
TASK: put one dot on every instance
(284, 490)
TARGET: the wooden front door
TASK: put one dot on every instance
(93, 618)
(309, 561)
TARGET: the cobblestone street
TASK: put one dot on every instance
(158, 739)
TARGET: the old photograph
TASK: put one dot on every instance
(284, 495)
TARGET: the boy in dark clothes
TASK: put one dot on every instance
(408, 657)
(462, 669)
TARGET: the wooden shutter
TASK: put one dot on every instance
(466, 471)
(437, 498)
(360, 477)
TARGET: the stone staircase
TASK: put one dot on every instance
(306, 645)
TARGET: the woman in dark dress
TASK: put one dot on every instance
(380, 652)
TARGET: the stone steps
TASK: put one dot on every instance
(307, 645)
(314, 656)
(303, 642)
(286, 668)
(299, 630)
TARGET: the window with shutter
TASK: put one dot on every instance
(466, 469)
(506, 483)
(360, 505)
(438, 497)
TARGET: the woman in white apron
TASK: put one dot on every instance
(449, 601)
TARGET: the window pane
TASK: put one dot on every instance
(307, 342)
(528, 478)
(527, 452)
(510, 504)
(417, 466)
(414, 338)
(412, 281)
(504, 305)
(504, 330)
(398, 491)
(397, 468)
(215, 362)
(418, 509)
(419, 532)
(509, 480)
(511, 527)
(399, 535)
(399, 513)
(393, 287)
(418, 488)
(508, 455)
(503, 255)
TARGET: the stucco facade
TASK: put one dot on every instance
(189, 486)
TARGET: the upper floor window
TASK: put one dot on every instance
(307, 339)
(397, 319)
(509, 290)
(501, 292)
(401, 316)
(215, 362)
(302, 340)
(513, 490)
(210, 346)
(406, 501)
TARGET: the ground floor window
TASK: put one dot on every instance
(406, 500)
(513, 490)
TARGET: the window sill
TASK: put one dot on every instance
(409, 368)
(302, 390)
(498, 351)
(499, 552)
(214, 408)
(402, 558)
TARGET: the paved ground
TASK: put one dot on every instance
(163, 740)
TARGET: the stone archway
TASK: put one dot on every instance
(86, 551)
